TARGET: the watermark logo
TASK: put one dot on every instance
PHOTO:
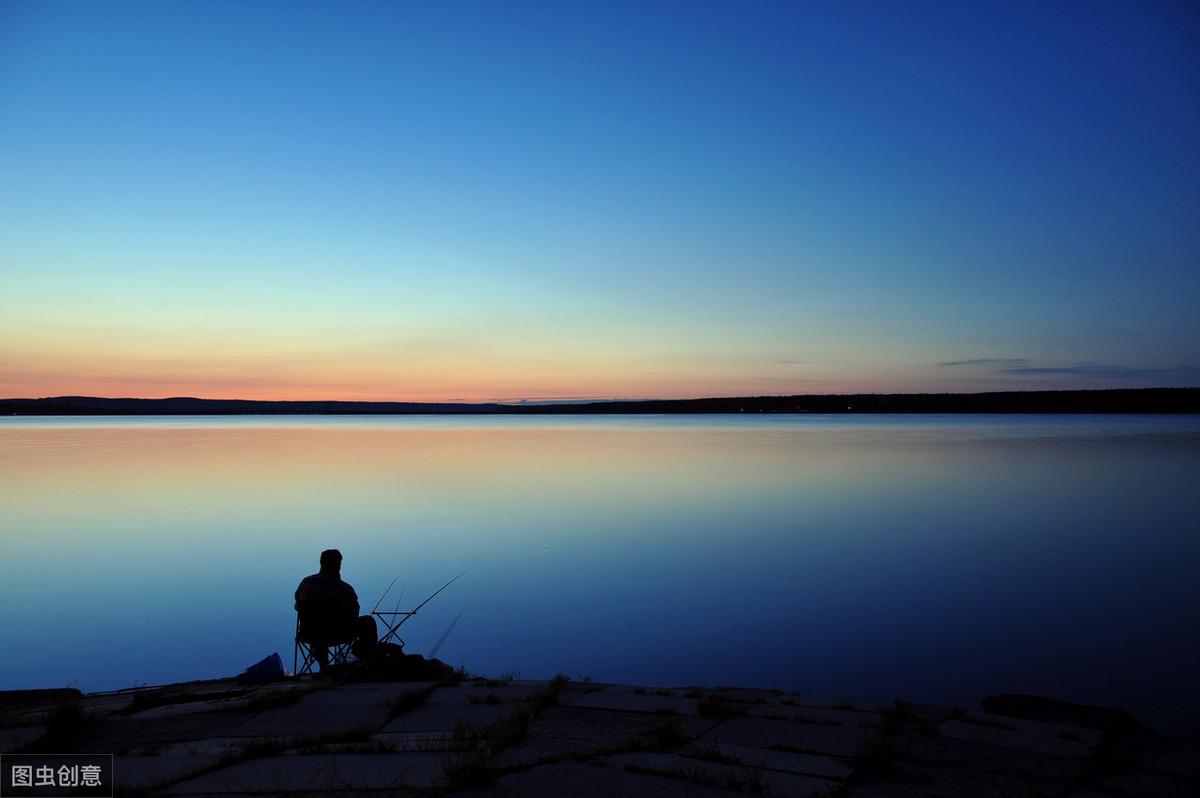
(58, 775)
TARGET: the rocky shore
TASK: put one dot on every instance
(512, 737)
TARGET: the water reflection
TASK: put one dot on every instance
(936, 558)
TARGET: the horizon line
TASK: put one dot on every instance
(534, 401)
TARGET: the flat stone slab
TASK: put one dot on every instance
(349, 708)
(215, 746)
(574, 690)
(261, 698)
(438, 740)
(584, 780)
(949, 752)
(319, 773)
(511, 692)
(149, 772)
(22, 701)
(1150, 785)
(839, 741)
(848, 705)
(206, 686)
(569, 731)
(448, 718)
(1182, 762)
(816, 716)
(191, 708)
(624, 700)
(743, 778)
(449, 708)
(19, 737)
(1014, 738)
(393, 689)
(194, 691)
(825, 767)
(117, 733)
(1035, 728)
(104, 703)
(745, 695)
(950, 782)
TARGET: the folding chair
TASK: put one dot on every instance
(304, 655)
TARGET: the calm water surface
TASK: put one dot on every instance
(939, 558)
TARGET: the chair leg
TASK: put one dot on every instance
(302, 659)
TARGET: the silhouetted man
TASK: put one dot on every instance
(328, 612)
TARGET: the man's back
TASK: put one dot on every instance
(326, 605)
(326, 590)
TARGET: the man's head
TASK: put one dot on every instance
(331, 561)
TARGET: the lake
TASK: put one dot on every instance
(935, 558)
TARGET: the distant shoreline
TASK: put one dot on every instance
(1134, 400)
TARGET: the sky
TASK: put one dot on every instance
(507, 201)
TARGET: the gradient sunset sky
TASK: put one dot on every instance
(505, 201)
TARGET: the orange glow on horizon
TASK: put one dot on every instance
(431, 383)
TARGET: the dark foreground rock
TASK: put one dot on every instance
(454, 736)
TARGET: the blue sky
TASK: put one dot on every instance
(508, 200)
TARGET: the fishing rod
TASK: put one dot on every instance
(392, 629)
(417, 609)
(381, 598)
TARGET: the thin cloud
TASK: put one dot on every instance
(789, 379)
(1097, 370)
(1001, 363)
(793, 362)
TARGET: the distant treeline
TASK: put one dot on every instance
(1140, 400)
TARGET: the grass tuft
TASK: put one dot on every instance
(712, 753)
(481, 743)
(503, 680)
